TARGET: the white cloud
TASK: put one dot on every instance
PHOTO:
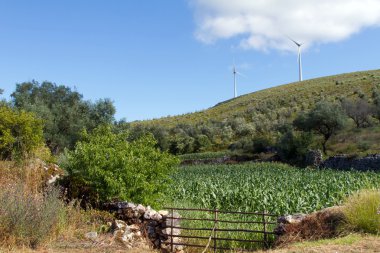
(264, 24)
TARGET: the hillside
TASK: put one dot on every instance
(263, 115)
(298, 94)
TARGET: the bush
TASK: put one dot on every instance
(105, 166)
(28, 219)
(362, 211)
(293, 146)
(21, 134)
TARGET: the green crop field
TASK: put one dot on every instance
(276, 188)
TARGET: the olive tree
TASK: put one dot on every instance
(325, 119)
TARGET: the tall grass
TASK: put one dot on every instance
(362, 211)
(32, 214)
(29, 218)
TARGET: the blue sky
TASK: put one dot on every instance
(168, 57)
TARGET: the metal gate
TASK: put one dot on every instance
(255, 230)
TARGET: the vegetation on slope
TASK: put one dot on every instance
(259, 121)
(293, 97)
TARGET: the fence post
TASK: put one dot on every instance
(171, 231)
(265, 230)
(215, 227)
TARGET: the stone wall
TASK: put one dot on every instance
(346, 162)
(152, 224)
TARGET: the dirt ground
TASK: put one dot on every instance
(354, 243)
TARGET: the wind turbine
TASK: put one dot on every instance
(299, 45)
(235, 73)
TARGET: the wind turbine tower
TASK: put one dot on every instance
(235, 72)
(299, 45)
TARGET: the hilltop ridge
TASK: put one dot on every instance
(293, 94)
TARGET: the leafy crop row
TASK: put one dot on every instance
(276, 188)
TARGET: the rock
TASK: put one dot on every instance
(151, 214)
(314, 158)
(91, 235)
(140, 209)
(291, 219)
(127, 236)
(178, 248)
(119, 224)
(168, 231)
(134, 228)
(131, 205)
(163, 213)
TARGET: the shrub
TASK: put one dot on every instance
(20, 133)
(362, 211)
(26, 218)
(293, 146)
(105, 166)
(359, 111)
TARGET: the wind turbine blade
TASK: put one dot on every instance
(295, 42)
(240, 74)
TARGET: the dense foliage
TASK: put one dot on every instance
(105, 166)
(21, 133)
(64, 112)
(277, 188)
(325, 119)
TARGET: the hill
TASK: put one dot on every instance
(296, 94)
(261, 112)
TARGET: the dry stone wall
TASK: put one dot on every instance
(345, 162)
(152, 224)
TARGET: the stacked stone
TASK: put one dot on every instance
(156, 226)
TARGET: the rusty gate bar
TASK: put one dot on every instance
(225, 221)
(213, 210)
(225, 230)
(265, 231)
(214, 235)
(215, 228)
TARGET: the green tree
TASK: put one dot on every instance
(21, 133)
(359, 111)
(293, 146)
(104, 166)
(64, 112)
(325, 119)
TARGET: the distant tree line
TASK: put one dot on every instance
(289, 128)
(289, 131)
(63, 111)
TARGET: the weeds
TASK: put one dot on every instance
(362, 211)
(29, 219)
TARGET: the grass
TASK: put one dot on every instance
(296, 94)
(362, 211)
(204, 155)
(349, 243)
